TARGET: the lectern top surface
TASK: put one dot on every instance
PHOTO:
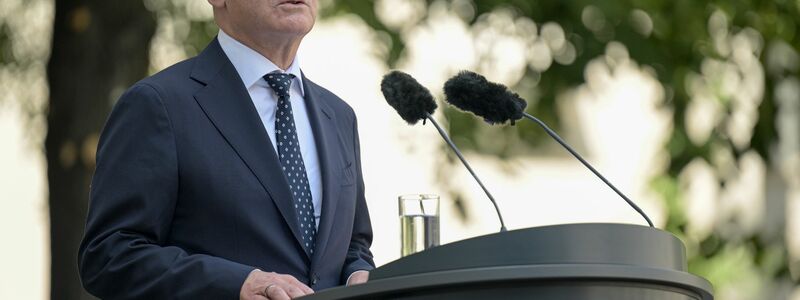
(586, 243)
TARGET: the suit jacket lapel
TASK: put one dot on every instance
(326, 136)
(226, 102)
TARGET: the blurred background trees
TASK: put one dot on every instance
(99, 49)
(730, 75)
(727, 74)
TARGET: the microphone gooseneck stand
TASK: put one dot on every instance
(558, 139)
(464, 161)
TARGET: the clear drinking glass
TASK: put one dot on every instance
(419, 223)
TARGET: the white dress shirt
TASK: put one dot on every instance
(251, 67)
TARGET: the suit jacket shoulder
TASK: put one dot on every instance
(173, 80)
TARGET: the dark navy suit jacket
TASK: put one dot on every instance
(188, 196)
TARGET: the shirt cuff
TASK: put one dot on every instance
(351, 276)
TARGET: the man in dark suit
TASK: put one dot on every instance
(229, 175)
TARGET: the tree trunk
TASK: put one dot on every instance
(99, 48)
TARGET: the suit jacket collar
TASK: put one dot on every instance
(227, 104)
(328, 140)
(251, 65)
(225, 101)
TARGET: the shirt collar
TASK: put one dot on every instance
(251, 65)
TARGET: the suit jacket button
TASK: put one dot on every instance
(314, 279)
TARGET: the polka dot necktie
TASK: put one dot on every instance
(290, 157)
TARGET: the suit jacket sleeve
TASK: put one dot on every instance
(359, 257)
(134, 191)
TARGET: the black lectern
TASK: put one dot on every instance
(572, 261)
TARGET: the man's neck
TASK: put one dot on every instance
(281, 50)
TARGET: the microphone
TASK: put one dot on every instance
(413, 102)
(496, 104)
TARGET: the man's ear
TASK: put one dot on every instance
(217, 3)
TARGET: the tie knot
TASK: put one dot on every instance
(280, 83)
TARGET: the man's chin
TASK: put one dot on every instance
(297, 25)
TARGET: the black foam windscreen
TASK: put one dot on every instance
(494, 102)
(411, 100)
